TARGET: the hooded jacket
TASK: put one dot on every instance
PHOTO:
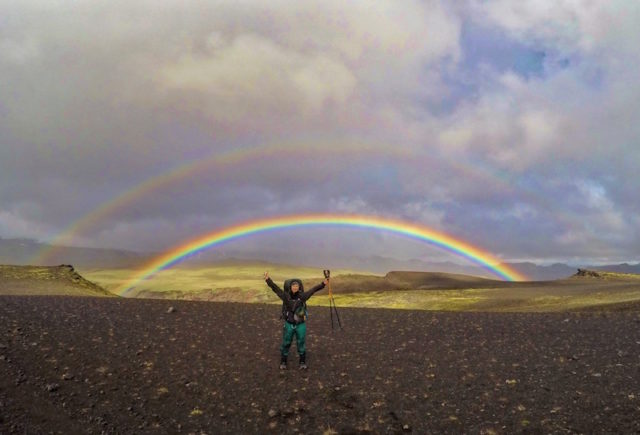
(293, 305)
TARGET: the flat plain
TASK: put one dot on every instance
(114, 365)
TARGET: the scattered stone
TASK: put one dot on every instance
(287, 412)
(67, 376)
(482, 402)
(195, 411)
(171, 310)
(52, 387)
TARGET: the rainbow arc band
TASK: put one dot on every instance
(229, 160)
(414, 231)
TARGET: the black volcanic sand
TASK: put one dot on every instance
(94, 365)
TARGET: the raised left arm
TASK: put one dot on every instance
(310, 293)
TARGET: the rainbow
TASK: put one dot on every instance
(224, 161)
(215, 162)
(414, 231)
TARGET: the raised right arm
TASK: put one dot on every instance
(277, 290)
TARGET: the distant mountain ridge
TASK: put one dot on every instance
(21, 251)
(560, 270)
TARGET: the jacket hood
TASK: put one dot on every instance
(287, 284)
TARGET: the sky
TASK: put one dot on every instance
(514, 126)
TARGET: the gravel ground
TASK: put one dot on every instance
(102, 365)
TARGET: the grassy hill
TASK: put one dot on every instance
(229, 281)
(245, 279)
(434, 291)
(42, 280)
(242, 282)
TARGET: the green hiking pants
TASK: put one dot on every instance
(288, 331)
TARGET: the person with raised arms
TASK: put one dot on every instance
(294, 313)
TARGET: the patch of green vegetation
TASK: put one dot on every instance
(244, 283)
(246, 280)
(447, 300)
(617, 275)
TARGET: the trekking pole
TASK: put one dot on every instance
(336, 310)
(332, 301)
(326, 275)
(331, 306)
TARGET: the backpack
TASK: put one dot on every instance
(300, 312)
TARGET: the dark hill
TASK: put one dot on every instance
(401, 280)
(436, 280)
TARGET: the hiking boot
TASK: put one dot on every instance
(283, 363)
(303, 362)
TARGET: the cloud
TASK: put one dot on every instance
(17, 222)
(252, 76)
(591, 27)
(344, 63)
(511, 127)
(529, 151)
(16, 52)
